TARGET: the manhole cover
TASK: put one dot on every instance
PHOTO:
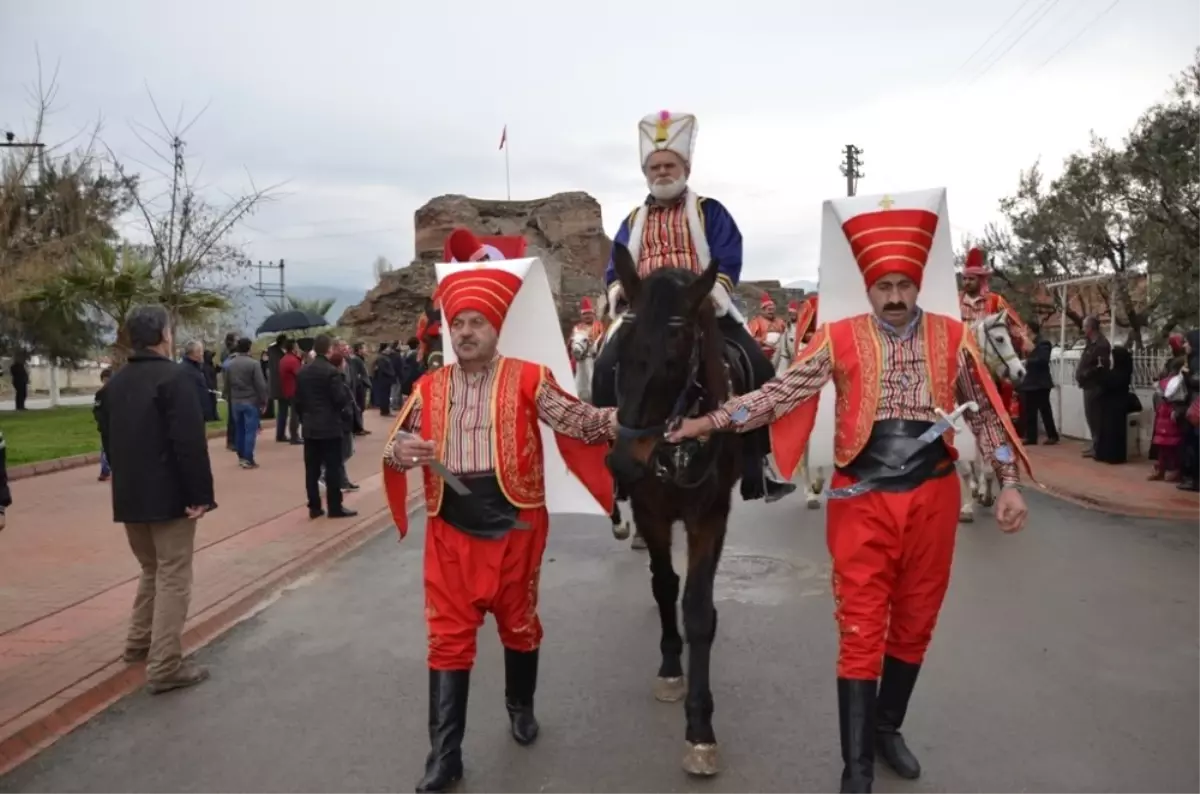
(753, 569)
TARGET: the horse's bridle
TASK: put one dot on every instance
(991, 346)
(687, 398)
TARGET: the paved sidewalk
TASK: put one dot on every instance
(1122, 489)
(67, 577)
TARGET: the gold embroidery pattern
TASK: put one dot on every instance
(529, 621)
(520, 475)
(438, 413)
(869, 363)
(941, 365)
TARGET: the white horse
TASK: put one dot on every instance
(584, 350)
(785, 356)
(1000, 357)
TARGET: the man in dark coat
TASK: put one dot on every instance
(5, 494)
(227, 351)
(360, 383)
(193, 363)
(323, 401)
(382, 379)
(1094, 363)
(1035, 389)
(152, 427)
(20, 379)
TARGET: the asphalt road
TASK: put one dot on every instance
(1066, 660)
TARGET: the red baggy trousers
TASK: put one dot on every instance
(467, 577)
(891, 567)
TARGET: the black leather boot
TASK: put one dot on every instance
(856, 716)
(447, 722)
(520, 682)
(895, 689)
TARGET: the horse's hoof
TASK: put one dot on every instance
(701, 760)
(987, 500)
(638, 543)
(670, 690)
(966, 517)
(818, 486)
(814, 503)
(621, 530)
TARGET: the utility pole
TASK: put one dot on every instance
(852, 168)
(266, 290)
(10, 142)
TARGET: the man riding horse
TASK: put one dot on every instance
(676, 228)
(588, 321)
(977, 301)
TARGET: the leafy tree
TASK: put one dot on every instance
(1162, 168)
(54, 202)
(1130, 213)
(107, 282)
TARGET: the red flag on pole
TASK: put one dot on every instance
(504, 136)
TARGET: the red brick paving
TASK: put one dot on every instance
(1121, 489)
(67, 577)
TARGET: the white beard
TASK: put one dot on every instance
(668, 191)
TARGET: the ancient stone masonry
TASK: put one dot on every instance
(564, 230)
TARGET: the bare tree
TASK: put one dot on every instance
(189, 247)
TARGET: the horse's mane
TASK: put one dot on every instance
(660, 293)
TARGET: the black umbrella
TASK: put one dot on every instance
(291, 320)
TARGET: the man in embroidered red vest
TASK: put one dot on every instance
(476, 420)
(977, 300)
(894, 499)
(676, 227)
(766, 328)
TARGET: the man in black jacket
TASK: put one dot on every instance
(1035, 389)
(1094, 362)
(324, 403)
(5, 494)
(152, 428)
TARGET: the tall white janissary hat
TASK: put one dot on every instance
(675, 132)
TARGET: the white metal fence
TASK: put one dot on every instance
(1067, 400)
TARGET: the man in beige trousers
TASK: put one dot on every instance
(152, 425)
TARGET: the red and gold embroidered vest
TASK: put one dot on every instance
(858, 364)
(516, 437)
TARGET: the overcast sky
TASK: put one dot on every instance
(368, 109)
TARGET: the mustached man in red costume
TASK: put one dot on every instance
(894, 498)
(766, 328)
(977, 300)
(474, 423)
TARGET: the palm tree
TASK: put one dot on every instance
(317, 306)
(110, 282)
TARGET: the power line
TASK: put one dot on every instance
(1077, 36)
(993, 35)
(1031, 23)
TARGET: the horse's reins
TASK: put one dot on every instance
(682, 402)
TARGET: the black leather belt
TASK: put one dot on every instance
(484, 512)
(896, 460)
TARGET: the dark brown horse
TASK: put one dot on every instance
(671, 364)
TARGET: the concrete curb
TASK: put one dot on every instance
(27, 470)
(44, 725)
(1167, 512)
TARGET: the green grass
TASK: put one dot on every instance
(38, 435)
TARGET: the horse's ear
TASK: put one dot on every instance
(702, 287)
(626, 270)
